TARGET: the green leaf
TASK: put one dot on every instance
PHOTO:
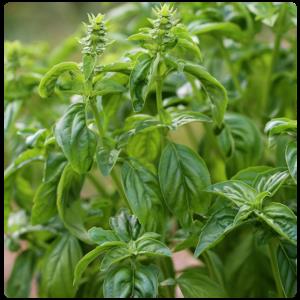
(138, 81)
(124, 282)
(143, 193)
(106, 157)
(75, 139)
(249, 175)
(89, 257)
(237, 191)
(100, 235)
(270, 180)
(189, 45)
(44, 203)
(145, 146)
(215, 90)
(281, 126)
(127, 227)
(185, 117)
(22, 160)
(113, 256)
(89, 62)
(19, 282)
(287, 265)
(54, 165)
(218, 225)
(107, 86)
(291, 159)
(195, 283)
(68, 203)
(48, 82)
(151, 247)
(58, 267)
(280, 218)
(226, 29)
(183, 176)
(240, 142)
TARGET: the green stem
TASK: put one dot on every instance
(119, 186)
(275, 53)
(230, 67)
(96, 114)
(159, 102)
(273, 259)
(97, 184)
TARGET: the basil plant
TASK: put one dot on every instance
(176, 133)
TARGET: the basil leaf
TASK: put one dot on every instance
(240, 142)
(68, 204)
(44, 203)
(186, 117)
(281, 126)
(287, 265)
(279, 217)
(291, 159)
(89, 257)
(271, 180)
(75, 139)
(235, 190)
(100, 235)
(143, 193)
(183, 176)
(48, 82)
(19, 282)
(113, 256)
(151, 247)
(106, 157)
(107, 86)
(227, 29)
(58, 268)
(138, 82)
(124, 282)
(195, 283)
(249, 175)
(22, 160)
(218, 225)
(127, 227)
(54, 165)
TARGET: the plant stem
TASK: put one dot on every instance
(159, 103)
(231, 67)
(96, 114)
(97, 184)
(275, 53)
(119, 186)
(272, 252)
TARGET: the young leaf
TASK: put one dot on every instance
(19, 282)
(270, 180)
(195, 283)
(143, 193)
(138, 81)
(217, 226)
(124, 282)
(59, 266)
(48, 82)
(152, 247)
(183, 176)
(127, 227)
(280, 218)
(281, 126)
(100, 235)
(75, 139)
(249, 175)
(291, 159)
(185, 117)
(235, 190)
